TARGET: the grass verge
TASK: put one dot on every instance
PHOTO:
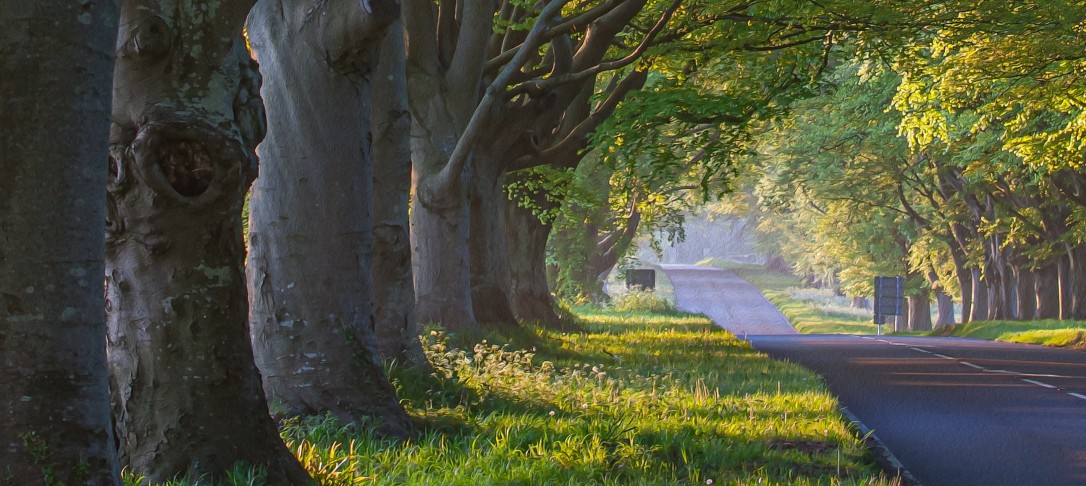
(634, 399)
(1064, 334)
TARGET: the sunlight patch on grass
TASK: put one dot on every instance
(636, 398)
(632, 398)
(1050, 332)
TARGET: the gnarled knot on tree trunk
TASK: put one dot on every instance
(188, 161)
(149, 41)
(436, 198)
(344, 33)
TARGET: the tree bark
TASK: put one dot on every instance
(393, 281)
(919, 312)
(444, 83)
(996, 276)
(490, 274)
(311, 226)
(529, 291)
(456, 97)
(944, 304)
(1076, 257)
(1025, 293)
(1063, 283)
(186, 116)
(1046, 287)
(980, 296)
(439, 252)
(957, 244)
(56, 65)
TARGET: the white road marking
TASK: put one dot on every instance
(1035, 382)
(971, 365)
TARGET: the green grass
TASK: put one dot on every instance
(810, 311)
(1066, 334)
(635, 399)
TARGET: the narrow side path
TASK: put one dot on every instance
(731, 302)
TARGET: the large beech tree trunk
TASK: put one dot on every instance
(393, 281)
(186, 116)
(919, 311)
(490, 274)
(459, 69)
(980, 296)
(56, 65)
(1076, 257)
(443, 92)
(944, 304)
(311, 227)
(526, 235)
(1025, 293)
(1063, 283)
(1046, 287)
(439, 251)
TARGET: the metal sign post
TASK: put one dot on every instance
(889, 298)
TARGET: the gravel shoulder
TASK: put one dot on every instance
(731, 302)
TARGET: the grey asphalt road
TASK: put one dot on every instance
(958, 411)
(728, 300)
(953, 411)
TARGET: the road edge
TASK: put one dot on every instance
(883, 456)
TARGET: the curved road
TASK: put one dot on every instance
(953, 411)
(728, 300)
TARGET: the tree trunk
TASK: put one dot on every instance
(944, 304)
(962, 270)
(1063, 271)
(529, 291)
(56, 68)
(393, 283)
(311, 226)
(980, 296)
(945, 309)
(901, 322)
(439, 243)
(919, 304)
(1025, 293)
(920, 311)
(490, 274)
(444, 81)
(1046, 287)
(1076, 256)
(440, 221)
(186, 116)
(996, 275)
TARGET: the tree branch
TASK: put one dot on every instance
(538, 86)
(491, 98)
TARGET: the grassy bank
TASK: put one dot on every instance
(1066, 334)
(633, 399)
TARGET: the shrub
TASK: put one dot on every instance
(638, 300)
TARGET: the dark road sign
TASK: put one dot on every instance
(889, 297)
(644, 278)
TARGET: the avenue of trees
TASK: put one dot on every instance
(956, 163)
(456, 162)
